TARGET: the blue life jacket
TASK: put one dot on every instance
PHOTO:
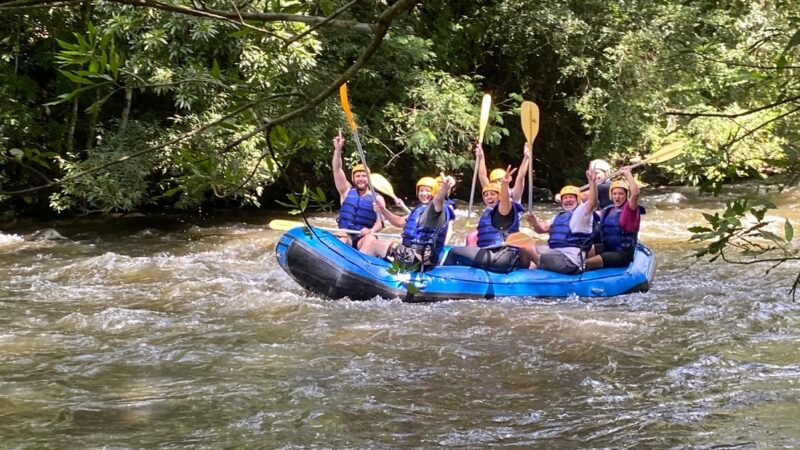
(603, 199)
(357, 212)
(561, 236)
(615, 239)
(488, 235)
(414, 234)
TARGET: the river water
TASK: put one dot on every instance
(174, 332)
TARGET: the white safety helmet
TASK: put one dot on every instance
(599, 164)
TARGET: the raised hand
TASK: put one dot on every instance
(338, 141)
(591, 175)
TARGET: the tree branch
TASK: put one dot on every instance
(384, 20)
(234, 16)
(751, 111)
(381, 28)
(335, 14)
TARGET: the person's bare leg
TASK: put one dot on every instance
(595, 262)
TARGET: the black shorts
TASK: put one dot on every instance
(617, 259)
(502, 259)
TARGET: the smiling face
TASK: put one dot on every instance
(569, 202)
(490, 198)
(360, 180)
(618, 196)
(424, 194)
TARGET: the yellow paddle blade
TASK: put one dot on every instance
(486, 105)
(665, 153)
(380, 183)
(346, 106)
(529, 115)
(519, 239)
(284, 225)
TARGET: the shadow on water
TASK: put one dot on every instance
(163, 331)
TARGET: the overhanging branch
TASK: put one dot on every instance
(235, 16)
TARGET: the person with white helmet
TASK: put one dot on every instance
(619, 226)
(424, 228)
(570, 232)
(602, 169)
(356, 212)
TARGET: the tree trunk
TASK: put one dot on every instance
(73, 119)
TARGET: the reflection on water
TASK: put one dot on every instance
(161, 332)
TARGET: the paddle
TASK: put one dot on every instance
(286, 225)
(382, 184)
(529, 115)
(519, 239)
(663, 154)
(354, 129)
(486, 106)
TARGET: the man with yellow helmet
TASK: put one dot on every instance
(570, 232)
(619, 225)
(424, 228)
(357, 211)
(500, 218)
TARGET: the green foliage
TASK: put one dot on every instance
(308, 197)
(740, 235)
(121, 187)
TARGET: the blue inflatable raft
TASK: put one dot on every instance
(321, 263)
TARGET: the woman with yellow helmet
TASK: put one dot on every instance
(357, 211)
(500, 218)
(424, 228)
(570, 232)
(619, 225)
(498, 174)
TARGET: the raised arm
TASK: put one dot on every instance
(441, 195)
(339, 177)
(633, 188)
(591, 202)
(480, 160)
(519, 182)
(505, 197)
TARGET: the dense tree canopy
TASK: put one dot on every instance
(120, 105)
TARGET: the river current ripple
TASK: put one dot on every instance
(164, 333)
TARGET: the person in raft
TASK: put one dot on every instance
(498, 174)
(356, 212)
(424, 229)
(500, 218)
(570, 232)
(495, 176)
(602, 169)
(619, 226)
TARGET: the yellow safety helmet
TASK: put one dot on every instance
(497, 174)
(491, 187)
(617, 184)
(358, 168)
(570, 190)
(428, 182)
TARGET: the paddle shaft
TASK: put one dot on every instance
(344, 230)
(530, 182)
(472, 190)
